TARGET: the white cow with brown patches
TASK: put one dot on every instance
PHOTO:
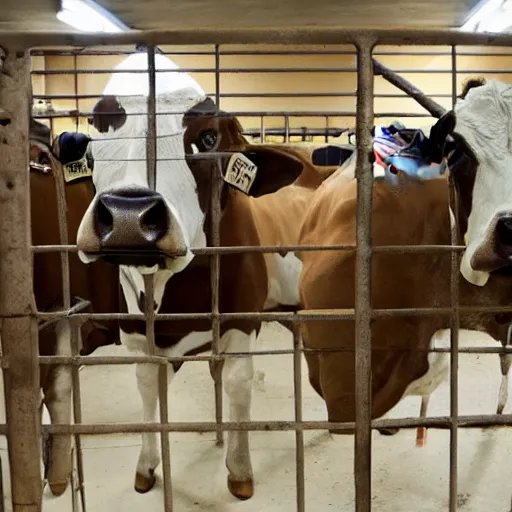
(153, 232)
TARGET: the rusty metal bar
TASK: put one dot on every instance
(151, 150)
(303, 315)
(300, 36)
(299, 435)
(340, 94)
(77, 409)
(115, 360)
(252, 113)
(425, 53)
(439, 422)
(17, 305)
(423, 249)
(254, 70)
(363, 336)
(216, 368)
(454, 331)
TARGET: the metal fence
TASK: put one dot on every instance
(20, 361)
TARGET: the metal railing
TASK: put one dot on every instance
(19, 315)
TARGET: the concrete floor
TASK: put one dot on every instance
(405, 478)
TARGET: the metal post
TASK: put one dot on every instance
(299, 434)
(454, 330)
(151, 151)
(364, 123)
(215, 274)
(17, 305)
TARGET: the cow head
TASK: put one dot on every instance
(476, 137)
(130, 224)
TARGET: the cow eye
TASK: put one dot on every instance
(208, 140)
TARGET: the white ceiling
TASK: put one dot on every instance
(175, 14)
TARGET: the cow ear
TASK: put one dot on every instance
(108, 113)
(258, 171)
(439, 134)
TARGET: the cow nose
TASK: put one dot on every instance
(504, 234)
(130, 219)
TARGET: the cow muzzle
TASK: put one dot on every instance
(495, 251)
(130, 227)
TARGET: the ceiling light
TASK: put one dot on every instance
(489, 16)
(88, 16)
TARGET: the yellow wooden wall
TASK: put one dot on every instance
(281, 82)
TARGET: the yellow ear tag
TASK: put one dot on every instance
(241, 172)
(76, 170)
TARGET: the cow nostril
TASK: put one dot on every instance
(154, 221)
(104, 221)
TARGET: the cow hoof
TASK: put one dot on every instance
(58, 488)
(243, 490)
(391, 431)
(143, 483)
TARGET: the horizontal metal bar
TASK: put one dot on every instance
(422, 249)
(432, 53)
(347, 94)
(475, 421)
(281, 113)
(302, 36)
(268, 316)
(411, 71)
(125, 360)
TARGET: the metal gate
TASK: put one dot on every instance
(20, 361)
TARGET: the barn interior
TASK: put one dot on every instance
(298, 94)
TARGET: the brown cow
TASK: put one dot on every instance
(412, 213)
(97, 283)
(153, 232)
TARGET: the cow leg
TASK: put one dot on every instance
(149, 457)
(237, 375)
(57, 398)
(505, 363)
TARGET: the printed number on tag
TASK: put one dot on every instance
(75, 170)
(241, 172)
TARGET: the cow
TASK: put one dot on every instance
(97, 283)
(413, 211)
(264, 193)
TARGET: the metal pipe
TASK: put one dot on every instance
(151, 150)
(301, 36)
(299, 435)
(454, 332)
(363, 336)
(216, 213)
(423, 249)
(440, 422)
(17, 306)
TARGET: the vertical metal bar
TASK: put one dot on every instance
(77, 408)
(149, 306)
(17, 306)
(299, 434)
(217, 75)
(149, 312)
(454, 331)
(151, 151)
(326, 129)
(364, 123)
(286, 129)
(215, 274)
(262, 129)
(77, 117)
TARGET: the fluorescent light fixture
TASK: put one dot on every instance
(88, 16)
(489, 16)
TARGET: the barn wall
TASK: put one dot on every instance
(431, 83)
